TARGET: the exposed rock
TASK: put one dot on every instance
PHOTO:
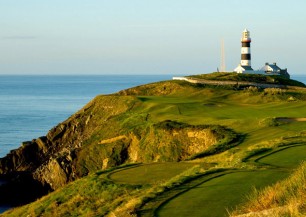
(52, 174)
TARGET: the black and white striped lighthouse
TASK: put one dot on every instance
(245, 49)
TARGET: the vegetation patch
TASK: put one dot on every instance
(270, 122)
(90, 196)
(285, 198)
(165, 141)
(190, 141)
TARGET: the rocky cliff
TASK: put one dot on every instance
(109, 131)
(50, 158)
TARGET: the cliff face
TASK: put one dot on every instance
(50, 158)
(109, 131)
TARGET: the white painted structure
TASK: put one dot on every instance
(245, 62)
(271, 68)
(180, 78)
(246, 48)
(244, 69)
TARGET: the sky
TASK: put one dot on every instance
(148, 36)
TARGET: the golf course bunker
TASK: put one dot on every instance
(288, 157)
(214, 197)
(150, 173)
(289, 120)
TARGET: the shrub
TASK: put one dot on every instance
(274, 91)
(252, 89)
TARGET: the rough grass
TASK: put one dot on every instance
(90, 196)
(285, 198)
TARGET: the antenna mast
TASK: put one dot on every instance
(222, 66)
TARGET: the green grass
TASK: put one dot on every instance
(214, 197)
(225, 109)
(288, 157)
(150, 173)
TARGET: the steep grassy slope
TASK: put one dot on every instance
(222, 129)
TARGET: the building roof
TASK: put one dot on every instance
(273, 66)
(247, 67)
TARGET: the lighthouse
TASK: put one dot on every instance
(245, 62)
(246, 49)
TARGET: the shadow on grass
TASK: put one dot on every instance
(121, 167)
(152, 206)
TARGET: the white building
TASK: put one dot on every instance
(244, 69)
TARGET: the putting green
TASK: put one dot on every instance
(150, 173)
(214, 197)
(289, 157)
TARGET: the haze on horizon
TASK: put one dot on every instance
(147, 37)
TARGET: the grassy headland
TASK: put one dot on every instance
(221, 142)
